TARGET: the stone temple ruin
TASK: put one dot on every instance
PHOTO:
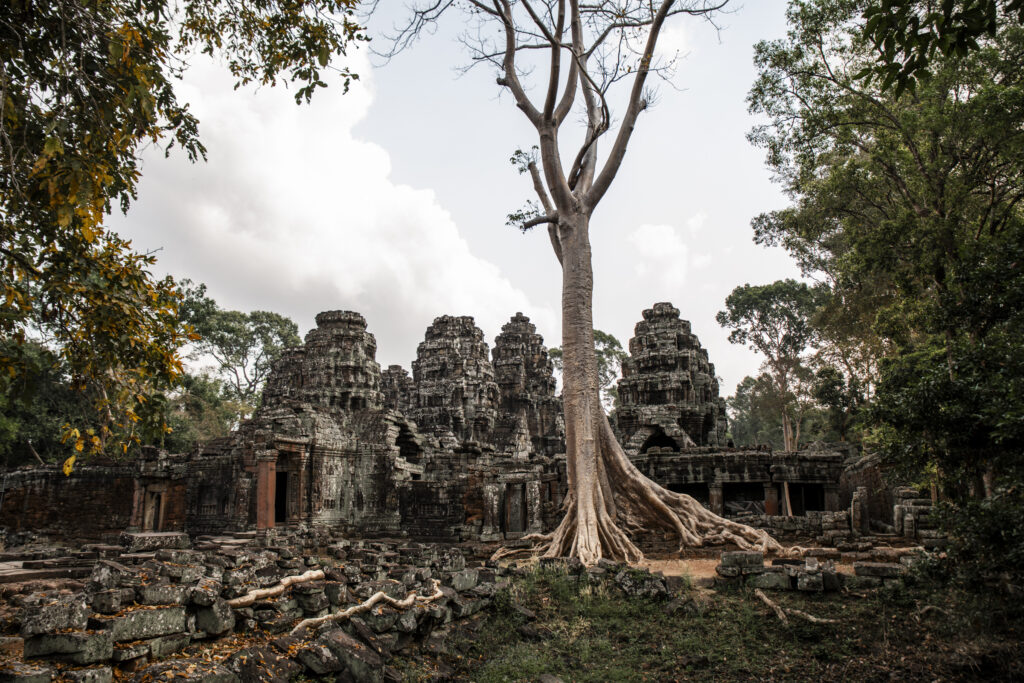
(470, 447)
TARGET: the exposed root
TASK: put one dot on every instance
(378, 597)
(781, 612)
(252, 596)
(623, 498)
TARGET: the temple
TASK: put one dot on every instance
(470, 446)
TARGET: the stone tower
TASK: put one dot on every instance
(526, 381)
(668, 394)
(335, 369)
(455, 392)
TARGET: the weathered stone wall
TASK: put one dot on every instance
(94, 503)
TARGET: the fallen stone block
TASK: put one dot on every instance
(361, 664)
(135, 542)
(142, 623)
(205, 592)
(100, 674)
(263, 664)
(186, 670)
(63, 613)
(107, 574)
(770, 580)
(79, 647)
(166, 645)
(318, 658)
(810, 583)
(742, 558)
(216, 619)
(880, 569)
(17, 672)
(161, 594)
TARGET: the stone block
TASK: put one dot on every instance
(742, 558)
(66, 612)
(166, 645)
(124, 652)
(263, 664)
(216, 619)
(205, 592)
(78, 646)
(336, 592)
(861, 582)
(464, 580)
(318, 658)
(811, 583)
(879, 569)
(99, 674)
(776, 581)
(381, 618)
(186, 670)
(360, 663)
(161, 594)
(135, 542)
(17, 672)
(728, 572)
(107, 574)
(140, 624)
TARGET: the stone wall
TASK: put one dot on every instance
(95, 503)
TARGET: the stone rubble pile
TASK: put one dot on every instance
(174, 602)
(815, 573)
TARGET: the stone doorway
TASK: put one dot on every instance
(515, 508)
(281, 498)
(152, 511)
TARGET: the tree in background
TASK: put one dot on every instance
(911, 206)
(589, 49)
(609, 365)
(244, 346)
(84, 85)
(775, 320)
(841, 397)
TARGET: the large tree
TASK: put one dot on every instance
(590, 47)
(84, 86)
(775, 320)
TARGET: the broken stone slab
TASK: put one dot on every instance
(124, 652)
(770, 580)
(263, 664)
(205, 592)
(186, 670)
(167, 645)
(185, 573)
(641, 584)
(883, 570)
(318, 658)
(79, 647)
(360, 663)
(216, 619)
(18, 672)
(65, 612)
(742, 558)
(161, 594)
(142, 623)
(99, 674)
(810, 583)
(147, 541)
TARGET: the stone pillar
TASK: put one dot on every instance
(138, 494)
(491, 530)
(534, 518)
(831, 498)
(716, 501)
(859, 522)
(771, 499)
(266, 488)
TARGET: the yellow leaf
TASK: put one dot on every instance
(69, 465)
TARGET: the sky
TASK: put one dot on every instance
(391, 199)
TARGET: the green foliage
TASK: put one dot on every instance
(910, 34)
(243, 345)
(841, 397)
(84, 85)
(776, 320)
(910, 208)
(987, 537)
(610, 355)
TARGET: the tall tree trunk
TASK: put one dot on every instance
(607, 495)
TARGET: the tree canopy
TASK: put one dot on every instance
(85, 85)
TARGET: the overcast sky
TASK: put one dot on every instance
(391, 199)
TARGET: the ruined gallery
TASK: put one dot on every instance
(469, 447)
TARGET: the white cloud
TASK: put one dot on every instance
(663, 256)
(696, 222)
(293, 213)
(674, 41)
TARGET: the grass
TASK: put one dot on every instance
(592, 632)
